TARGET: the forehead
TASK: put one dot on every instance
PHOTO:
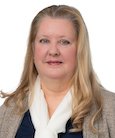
(56, 25)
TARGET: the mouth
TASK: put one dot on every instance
(54, 62)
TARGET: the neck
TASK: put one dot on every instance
(54, 87)
(54, 91)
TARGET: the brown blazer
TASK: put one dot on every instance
(9, 122)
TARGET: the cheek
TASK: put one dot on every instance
(38, 54)
(71, 56)
(37, 58)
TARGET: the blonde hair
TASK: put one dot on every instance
(85, 83)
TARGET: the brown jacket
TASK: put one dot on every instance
(9, 122)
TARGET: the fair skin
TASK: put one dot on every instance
(55, 58)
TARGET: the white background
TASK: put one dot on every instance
(15, 20)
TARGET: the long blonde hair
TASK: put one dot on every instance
(85, 83)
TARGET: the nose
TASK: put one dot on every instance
(54, 50)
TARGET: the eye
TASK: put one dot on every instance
(64, 42)
(44, 41)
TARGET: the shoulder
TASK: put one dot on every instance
(108, 112)
(108, 100)
(3, 109)
(6, 110)
(108, 95)
(5, 106)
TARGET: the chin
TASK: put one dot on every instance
(55, 76)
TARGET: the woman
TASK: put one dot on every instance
(59, 95)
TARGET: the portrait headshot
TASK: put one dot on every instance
(59, 92)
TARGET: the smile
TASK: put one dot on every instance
(54, 62)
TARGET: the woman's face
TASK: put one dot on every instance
(55, 48)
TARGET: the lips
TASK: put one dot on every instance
(54, 62)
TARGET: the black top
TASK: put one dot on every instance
(27, 130)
